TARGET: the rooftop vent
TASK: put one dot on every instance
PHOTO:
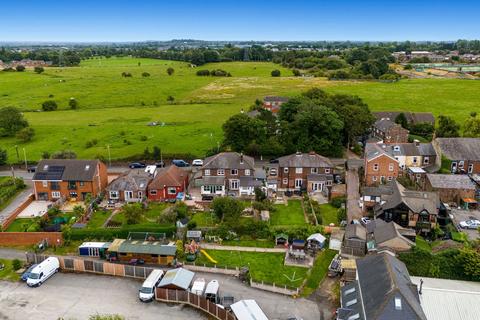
(45, 167)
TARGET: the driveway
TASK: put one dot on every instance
(17, 201)
(353, 195)
(462, 215)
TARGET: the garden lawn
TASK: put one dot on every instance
(8, 273)
(421, 243)
(20, 225)
(154, 211)
(204, 219)
(328, 214)
(98, 218)
(250, 243)
(289, 215)
(267, 267)
(318, 272)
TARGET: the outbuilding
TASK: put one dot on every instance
(316, 240)
(248, 310)
(93, 249)
(178, 279)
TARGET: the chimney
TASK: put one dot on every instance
(417, 142)
(241, 158)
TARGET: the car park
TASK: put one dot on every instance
(470, 224)
(43, 271)
(180, 163)
(197, 163)
(137, 165)
(27, 272)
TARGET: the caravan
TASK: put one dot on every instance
(147, 291)
(211, 292)
(43, 271)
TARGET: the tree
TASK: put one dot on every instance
(133, 213)
(259, 194)
(64, 154)
(38, 70)
(447, 127)
(170, 71)
(171, 99)
(49, 105)
(73, 103)
(3, 157)
(240, 130)
(26, 134)
(20, 68)
(401, 119)
(145, 74)
(471, 128)
(16, 264)
(156, 153)
(227, 209)
(11, 121)
(470, 260)
(275, 73)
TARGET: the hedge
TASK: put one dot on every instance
(112, 233)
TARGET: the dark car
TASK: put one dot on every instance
(32, 169)
(25, 275)
(273, 161)
(180, 163)
(135, 165)
(160, 164)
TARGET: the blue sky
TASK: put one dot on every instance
(238, 20)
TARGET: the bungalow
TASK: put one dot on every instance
(382, 290)
(130, 186)
(167, 184)
(69, 179)
(451, 188)
(390, 236)
(458, 155)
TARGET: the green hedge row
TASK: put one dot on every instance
(112, 233)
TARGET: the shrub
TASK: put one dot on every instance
(3, 156)
(337, 202)
(16, 264)
(91, 143)
(126, 74)
(38, 70)
(296, 72)
(26, 134)
(20, 68)
(170, 71)
(64, 154)
(203, 73)
(73, 103)
(49, 105)
(143, 138)
(275, 73)
(145, 74)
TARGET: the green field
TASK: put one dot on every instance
(115, 110)
(288, 215)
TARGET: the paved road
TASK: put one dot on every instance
(353, 195)
(17, 201)
(10, 254)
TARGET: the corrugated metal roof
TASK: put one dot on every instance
(146, 247)
(443, 299)
(248, 310)
(179, 277)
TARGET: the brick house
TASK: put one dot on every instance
(451, 187)
(389, 131)
(130, 186)
(380, 166)
(227, 172)
(167, 184)
(60, 178)
(412, 117)
(273, 103)
(459, 155)
(304, 171)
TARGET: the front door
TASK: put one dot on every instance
(128, 195)
(317, 186)
(234, 184)
(298, 183)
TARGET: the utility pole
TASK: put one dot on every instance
(25, 157)
(109, 156)
(18, 156)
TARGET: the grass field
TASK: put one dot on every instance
(266, 267)
(318, 272)
(8, 273)
(115, 110)
(20, 225)
(288, 215)
(328, 214)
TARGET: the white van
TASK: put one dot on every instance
(198, 287)
(211, 292)
(43, 271)
(147, 291)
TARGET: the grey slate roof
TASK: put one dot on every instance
(382, 279)
(460, 148)
(133, 180)
(385, 231)
(451, 181)
(384, 124)
(412, 117)
(275, 99)
(249, 182)
(383, 189)
(229, 160)
(319, 177)
(355, 231)
(213, 180)
(348, 294)
(373, 150)
(66, 170)
(305, 160)
(400, 149)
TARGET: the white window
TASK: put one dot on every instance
(374, 178)
(461, 164)
(285, 181)
(470, 168)
(298, 170)
(140, 194)
(247, 172)
(128, 195)
(375, 167)
(55, 194)
(220, 172)
(314, 170)
(113, 194)
(298, 183)
(390, 178)
(172, 190)
(285, 170)
(207, 172)
(153, 192)
(390, 167)
(45, 184)
(327, 170)
(234, 184)
(426, 160)
(234, 172)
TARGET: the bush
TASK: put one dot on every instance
(342, 214)
(203, 73)
(73, 103)
(3, 156)
(49, 105)
(20, 68)
(91, 143)
(26, 134)
(145, 74)
(126, 74)
(337, 202)
(275, 73)
(64, 154)
(38, 70)
(16, 264)
(170, 71)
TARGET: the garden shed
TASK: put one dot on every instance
(316, 240)
(194, 235)
(281, 239)
(179, 279)
(93, 249)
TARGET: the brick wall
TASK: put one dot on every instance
(29, 238)
(16, 212)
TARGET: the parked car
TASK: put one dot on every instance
(470, 224)
(27, 272)
(197, 163)
(43, 271)
(136, 165)
(160, 164)
(227, 301)
(273, 161)
(364, 221)
(32, 169)
(355, 221)
(180, 163)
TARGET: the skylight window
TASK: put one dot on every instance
(351, 302)
(354, 317)
(351, 290)
(398, 304)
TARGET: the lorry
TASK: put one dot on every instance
(147, 291)
(43, 271)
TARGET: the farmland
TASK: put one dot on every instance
(115, 110)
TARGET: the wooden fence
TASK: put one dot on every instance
(193, 300)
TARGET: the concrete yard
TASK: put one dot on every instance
(76, 296)
(462, 215)
(35, 209)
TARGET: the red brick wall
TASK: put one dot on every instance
(383, 162)
(29, 238)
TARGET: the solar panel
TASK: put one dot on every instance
(52, 173)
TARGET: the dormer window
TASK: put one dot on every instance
(87, 167)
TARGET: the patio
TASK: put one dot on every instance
(68, 206)
(35, 209)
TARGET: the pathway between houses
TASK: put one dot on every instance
(209, 246)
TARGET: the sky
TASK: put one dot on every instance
(139, 20)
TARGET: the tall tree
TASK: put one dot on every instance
(447, 127)
(240, 130)
(11, 121)
(401, 119)
(471, 127)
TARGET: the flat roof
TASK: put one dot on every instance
(248, 310)
(443, 299)
(416, 170)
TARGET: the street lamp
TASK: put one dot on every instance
(25, 157)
